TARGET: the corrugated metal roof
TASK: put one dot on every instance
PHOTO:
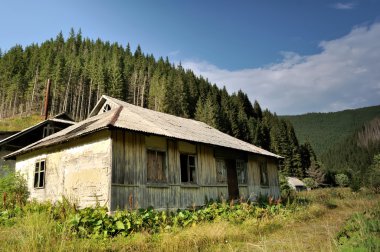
(295, 181)
(135, 118)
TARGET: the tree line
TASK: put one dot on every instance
(81, 70)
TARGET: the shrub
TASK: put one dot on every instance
(286, 191)
(13, 189)
(361, 232)
(374, 176)
(310, 182)
(341, 180)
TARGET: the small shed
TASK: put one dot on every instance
(296, 184)
(126, 156)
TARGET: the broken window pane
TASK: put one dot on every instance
(264, 174)
(221, 171)
(188, 168)
(241, 169)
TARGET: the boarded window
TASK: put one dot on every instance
(264, 181)
(188, 168)
(39, 174)
(156, 166)
(221, 171)
(241, 169)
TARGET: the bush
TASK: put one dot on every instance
(13, 189)
(286, 191)
(361, 232)
(374, 177)
(310, 182)
(342, 180)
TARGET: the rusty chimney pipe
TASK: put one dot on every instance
(47, 99)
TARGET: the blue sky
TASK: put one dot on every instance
(292, 56)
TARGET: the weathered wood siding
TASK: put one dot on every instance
(254, 186)
(130, 188)
(79, 170)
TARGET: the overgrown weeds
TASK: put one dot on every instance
(217, 226)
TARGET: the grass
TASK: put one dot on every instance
(310, 227)
(19, 123)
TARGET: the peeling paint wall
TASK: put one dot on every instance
(79, 170)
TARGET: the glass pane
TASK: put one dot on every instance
(241, 168)
(36, 180)
(37, 167)
(183, 160)
(42, 166)
(41, 182)
(192, 175)
(221, 171)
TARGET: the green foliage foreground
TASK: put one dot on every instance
(361, 232)
(97, 222)
(218, 225)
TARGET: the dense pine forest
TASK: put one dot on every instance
(346, 142)
(325, 130)
(356, 155)
(81, 70)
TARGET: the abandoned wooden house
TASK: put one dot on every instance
(124, 153)
(20, 139)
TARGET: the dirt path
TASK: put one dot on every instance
(317, 234)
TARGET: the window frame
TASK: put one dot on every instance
(217, 172)
(245, 170)
(37, 174)
(106, 107)
(164, 166)
(263, 167)
(188, 168)
(49, 130)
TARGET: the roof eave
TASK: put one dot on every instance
(29, 148)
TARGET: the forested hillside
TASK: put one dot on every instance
(81, 70)
(325, 130)
(355, 154)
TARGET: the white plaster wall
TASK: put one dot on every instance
(79, 170)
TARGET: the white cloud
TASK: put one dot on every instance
(174, 53)
(344, 6)
(346, 74)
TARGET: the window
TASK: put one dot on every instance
(156, 166)
(39, 174)
(221, 171)
(48, 130)
(241, 170)
(106, 108)
(264, 174)
(188, 167)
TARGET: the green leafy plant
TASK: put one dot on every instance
(13, 189)
(361, 232)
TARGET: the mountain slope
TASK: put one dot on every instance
(355, 154)
(325, 130)
(81, 70)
